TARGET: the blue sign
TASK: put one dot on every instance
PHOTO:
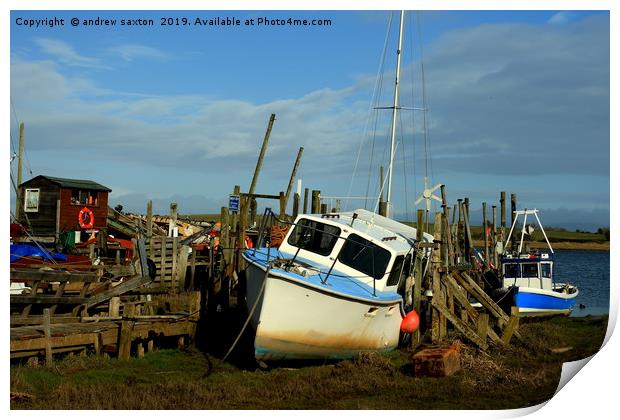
(233, 203)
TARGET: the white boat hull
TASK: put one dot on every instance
(296, 320)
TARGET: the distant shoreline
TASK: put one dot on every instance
(576, 246)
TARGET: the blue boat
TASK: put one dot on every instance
(528, 277)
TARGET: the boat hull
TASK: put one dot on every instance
(296, 320)
(533, 301)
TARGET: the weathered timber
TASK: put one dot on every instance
(460, 325)
(511, 328)
(293, 175)
(21, 274)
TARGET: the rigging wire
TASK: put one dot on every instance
(374, 102)
(427, 146)
(17, 124)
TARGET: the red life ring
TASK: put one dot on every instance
(86, 218)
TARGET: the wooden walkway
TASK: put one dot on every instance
(123, 336)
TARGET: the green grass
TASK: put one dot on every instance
(522, 374)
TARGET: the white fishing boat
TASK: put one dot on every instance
(330, 290)
(528, 276)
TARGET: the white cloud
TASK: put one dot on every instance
(561, 18)
(65, 53)
(131, 52)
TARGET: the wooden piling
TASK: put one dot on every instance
(323, 208)
(306, 201)
(296, 199)
(418, 268)
(47, 330)
(316, 201)
(282, 205)
(485, 235)
(124, 342)
(173, 219)
(293, 175)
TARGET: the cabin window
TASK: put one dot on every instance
(545, 270)
(364, 256)
(316, 237)
(530, 269)
(511, 270)
(31, 200)
(84, 197)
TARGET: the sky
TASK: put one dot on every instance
(516, 101)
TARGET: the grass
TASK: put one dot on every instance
(520, 375)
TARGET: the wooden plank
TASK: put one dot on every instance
(470, 285)
(124, 342)
(192, 280)
(24, 274)
(466, 308)
(48, 300)
(483, 325)
(48, 335)
(182, 266)
(461, 326)
(175, 263)
(512, 326)
(162, 260)
(131, 284)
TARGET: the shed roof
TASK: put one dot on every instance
(71, 183)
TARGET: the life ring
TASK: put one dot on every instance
(86, 218)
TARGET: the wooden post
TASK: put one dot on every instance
(282, 205)
(18, 194)
(253, 206)
(57, 220)
(485, 236)
(173, 219)
(47, 329)
(193, 270)
(296, 199)
(418, 272)
(502, 202)
(234, 217)
(114, 306)
(494, 237)
(437, 294)
(316, 201)
(149, 221)
(293, 175)
(306, 201)
(124, 344)
(468, 241)
(224, 234)
(140, 350)
(323, 208)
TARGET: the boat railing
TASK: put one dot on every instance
(269, 217)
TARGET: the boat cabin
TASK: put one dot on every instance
(528, 270)
(357, 245)
(52, 205)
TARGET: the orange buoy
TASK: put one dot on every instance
(410, 322)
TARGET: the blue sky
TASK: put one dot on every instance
(518, 101)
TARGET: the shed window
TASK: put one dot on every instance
(31, 200)
(87, 197)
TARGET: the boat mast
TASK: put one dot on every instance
(394, 112)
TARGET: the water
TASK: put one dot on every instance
(589, 271)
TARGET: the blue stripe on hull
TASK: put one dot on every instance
(539, 301)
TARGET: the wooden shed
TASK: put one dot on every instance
(52, 205)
